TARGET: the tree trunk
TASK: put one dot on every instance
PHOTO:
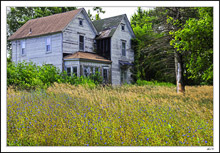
(180, 86)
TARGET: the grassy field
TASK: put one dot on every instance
(66, 115)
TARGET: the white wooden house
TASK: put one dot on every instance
(72, 42)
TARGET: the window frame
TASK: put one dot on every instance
(107, 70)
(83, 43)
(23, 50)
(88, 68)
(123, 50)
(48, 51)
(122, 25)
(81, 20)
(70, 71)
(123, 76)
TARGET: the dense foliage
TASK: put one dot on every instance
(163, 34)
(195, 39)
(30, 76)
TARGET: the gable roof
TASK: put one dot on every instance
(106, 27)
(87, 56)
(45, 25)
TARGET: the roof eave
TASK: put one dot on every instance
(34, 36)
(86, 59)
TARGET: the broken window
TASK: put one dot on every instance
(86, 71)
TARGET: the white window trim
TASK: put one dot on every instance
(83, 43)
(50, 44)
(23, 41)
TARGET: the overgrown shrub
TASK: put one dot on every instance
(30, 76)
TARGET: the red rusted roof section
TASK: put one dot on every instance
(87, 55)
(44, 25)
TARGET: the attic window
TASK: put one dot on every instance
(122, 27)
(81, 22)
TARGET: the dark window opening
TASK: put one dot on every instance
(68, 69)
(48, 48)
(123, 76)
(81, 22)
(123, 49)
(22, 51)
(105, 75)
(81, 43)
(75, 70)
(123, 27)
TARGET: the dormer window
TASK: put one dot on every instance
(122, 27)
(81, 22)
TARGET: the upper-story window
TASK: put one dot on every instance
(122, 27)
(48, 44)
(123, 48)
(81, 43)
(22, 47)
(81, 22)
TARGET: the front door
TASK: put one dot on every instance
(105, 75)
(123, 76)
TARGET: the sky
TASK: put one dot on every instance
(114, 11)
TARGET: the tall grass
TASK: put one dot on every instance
(68, 115)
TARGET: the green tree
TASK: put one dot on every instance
(153, 58)
(195, 41)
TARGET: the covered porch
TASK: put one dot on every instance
(86, 64)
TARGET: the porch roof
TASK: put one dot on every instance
(87, 56)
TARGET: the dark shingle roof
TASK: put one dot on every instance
(45, 25)
(106, 27)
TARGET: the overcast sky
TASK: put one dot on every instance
(114, 11)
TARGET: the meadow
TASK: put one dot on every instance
(129, 115)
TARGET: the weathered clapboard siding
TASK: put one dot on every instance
(72, 32)
(116, 52)
(35, 50)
